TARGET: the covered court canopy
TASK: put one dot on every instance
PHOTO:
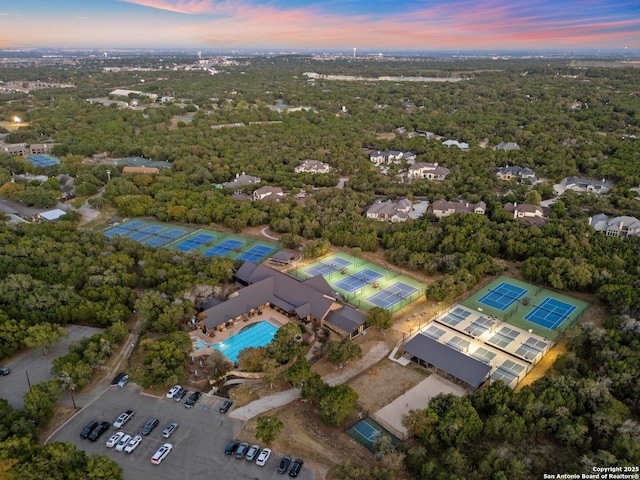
(457, 364)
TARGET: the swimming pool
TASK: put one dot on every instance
(256, 335)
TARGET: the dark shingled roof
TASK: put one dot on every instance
(465, 368)
(346, 319)
(266, 285)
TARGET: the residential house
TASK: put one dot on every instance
(23, 149)
(311, 300)
(409, 157)
(443, 208)
(268, 193)
(521, 174)
(507, 146)
(527, 213)
(312, 166)
(390, 211)
(241, 180)
(460, 145)
(430, 171)
(624, 226)
(392, 156)
(588, 185)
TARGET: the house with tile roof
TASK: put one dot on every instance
(241, 180)
(527, 213)
(521, 174)
(429, 171)
(267, 193)
(507, 146)
(312, 166)
(460, 145)
(588, 185)
(622, 226)
(443, 208)
(390, 211)
(392, 156)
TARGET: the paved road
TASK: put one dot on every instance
(35, 367)
(198, 443)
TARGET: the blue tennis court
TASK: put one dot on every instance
(223, 248)
(503, 296)
(162, 238)
(550, 313)
(194, 242)
(390, 296)
(367, 432)
(328, 266)
(43, 160)
(254, 254)
(124, 229)
(358, 280)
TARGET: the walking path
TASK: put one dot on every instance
(264, 404)
(264, 233)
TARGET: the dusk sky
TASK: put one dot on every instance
(384, 25)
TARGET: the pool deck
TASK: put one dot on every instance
(268, 314)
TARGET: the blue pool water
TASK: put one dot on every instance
(256, 335)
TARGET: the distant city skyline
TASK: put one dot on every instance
(383, 25)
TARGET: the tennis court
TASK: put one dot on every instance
(367, 432)
(162, 238)
(503, 337)
(328, 267)
(223, 248)
(124, 229)
(358, 280)
(138, 235)
(503, 296)
(390, 296)
(479, 326)
(550, 313)
(43, 160)
(255, 253)
(455, 316)
(530, 349)
(194, 242)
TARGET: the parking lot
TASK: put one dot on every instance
(198, 443)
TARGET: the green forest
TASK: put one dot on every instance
(567, 118)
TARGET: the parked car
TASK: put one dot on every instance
(114, 439)
(149, 426)
(252, 452)
(284, 464)
(117, 378)
(123, 442)
(226, 405)
(193, 398)
(123, 381)
(99, 430)
(231, 447)
(161, 454)
(169, 429)
(89, 427)
(133, 443)
(4, 371)
(123, 418)
(173, 390)
(181, 394)
(263, 457)
(242, 449)
(296, 466)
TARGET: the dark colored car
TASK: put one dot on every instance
(284, 464)
(231, 447)
(149, 426)
(296, 466)
(193, 398)
(242, 449)
(224, 408)
(86, 431)
(117, 378)
(181, 394)
(99, 430)
(4, 371)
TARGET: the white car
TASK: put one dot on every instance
(263, 457)
(169, 429)
(123, 442)
(122, 419)
(114, 439)
(173, 391)
(133, 443)
(161, 454)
